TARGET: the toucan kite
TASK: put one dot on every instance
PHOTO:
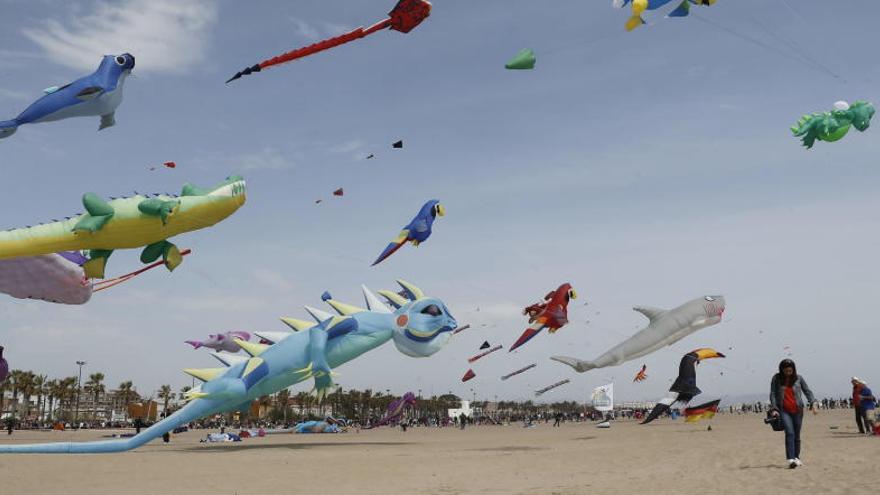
(685, 386)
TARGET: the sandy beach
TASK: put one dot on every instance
(739, 455)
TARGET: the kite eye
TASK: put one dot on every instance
(439, 209)
(432, 310)
(709, 298)
(572, 294)
(120, 60)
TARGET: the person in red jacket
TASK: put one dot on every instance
(861, 419)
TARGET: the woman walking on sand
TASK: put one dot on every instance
(786, 390)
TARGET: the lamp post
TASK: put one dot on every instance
(78, 390)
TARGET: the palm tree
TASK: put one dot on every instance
(125, 392)
(281, 400)
(166, 394)
(39, 384)
(95, 386)
(183, 391)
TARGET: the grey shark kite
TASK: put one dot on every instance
(666, 327)
(95, 95)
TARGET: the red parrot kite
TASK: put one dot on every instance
(552, 313)
(641, 375)
(404, 17)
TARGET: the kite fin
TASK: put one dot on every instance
(579, 365)
(682, 10)
(51, 89)
(8, 128)
(634, 22)
(393, 247)
(94, 267)
(650, 312)
(90, 93)
(107, 120)
(100, 212)
(169, 252)
(159, 208)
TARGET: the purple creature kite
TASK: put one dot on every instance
(221, 341)
(396, 409)
(4, 366)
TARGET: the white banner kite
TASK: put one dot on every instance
(603, 397)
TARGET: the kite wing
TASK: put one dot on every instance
(393, 246)
(661, 407)
(529, 333)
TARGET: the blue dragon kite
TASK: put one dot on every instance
(419, 326)
(418, 230)
(95, 95)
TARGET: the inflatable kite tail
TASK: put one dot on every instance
(579, 365)
(190, 412)
(8, 128)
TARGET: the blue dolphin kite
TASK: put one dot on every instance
(416, 231)
(97, 94)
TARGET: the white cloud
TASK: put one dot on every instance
(268, 158)
(163, 35)
(272, 279)
(314, 31)
(8, 94)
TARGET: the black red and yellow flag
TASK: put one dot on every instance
(703, 411)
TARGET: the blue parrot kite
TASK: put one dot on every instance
(639, 6)
(416, 231)
(95, 95)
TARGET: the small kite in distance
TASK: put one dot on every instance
(397, 144)
(339, 192)
(551, 387)
(524, 60)
(467, 376)
(485, 345)
(404, 17)
(641, 375)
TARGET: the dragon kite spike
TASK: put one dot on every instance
(373, 302)
(228, 359)
(204, 374)
(296, 324)
(342, 308)
(273, 337)
(317, 314)
(413, 293)
(251, 348)
(404, 17)
(393, 298)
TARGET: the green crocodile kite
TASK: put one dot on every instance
(419, 326)
(128, 223)
(832, 126)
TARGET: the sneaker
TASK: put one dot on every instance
(798, 462)
(792, 464)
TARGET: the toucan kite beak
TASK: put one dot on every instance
(707, 353)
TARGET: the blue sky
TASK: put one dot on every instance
(645, 168)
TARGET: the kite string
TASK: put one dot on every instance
(760, 43)
(795, 47)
